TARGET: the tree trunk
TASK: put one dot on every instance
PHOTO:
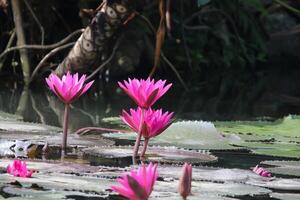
(21, 40)
(88, 52)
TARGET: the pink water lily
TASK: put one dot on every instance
(137, 185)
(19, 168)
(145, 92)
(151, 124)
(185, 182)
(69, 87)
(261, 171)
(147, 123)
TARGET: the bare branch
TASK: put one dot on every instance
(9, 44)
(51, 53)
(50, 46)
(162, 54)
(37, 21)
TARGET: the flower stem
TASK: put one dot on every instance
(146, 141)
(136, 147)
(138, 139)
(65, 128)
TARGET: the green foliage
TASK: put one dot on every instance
(202, 2)
(234, 38)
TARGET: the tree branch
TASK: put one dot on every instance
(51, 53)
(34, 46)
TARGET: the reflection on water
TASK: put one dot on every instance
(40, 105)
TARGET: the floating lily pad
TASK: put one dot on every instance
(208, 189)
(54, 166)
(52, 138)
(28, 193)
(285, 196)
(277, 183)
(9, 116)
(291, 168)
(211, 174)
(156, 153)
(113, 121)
(91, 183)
(188, 134)
(287, 127)
(274, 149)
(9, 122)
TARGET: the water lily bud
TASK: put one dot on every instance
(185, 181)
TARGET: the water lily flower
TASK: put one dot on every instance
(185, 181)
(68, 88)
(145, 92)
(138, 185)
(261, 171)
(148, 123)
(19, 168)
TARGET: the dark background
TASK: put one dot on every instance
(238, 58)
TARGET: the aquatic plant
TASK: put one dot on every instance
(138, 185)
(19, 168)
(68, 89)
(149, 125)
(261, 171)
(185, 182)
(145, 93)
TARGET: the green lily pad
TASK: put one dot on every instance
(21, 193)
(291, 168)
(285, 196)
(156, 153)
(287, 127)
(278, 138)
(211, 174)
(274, 149)
(9, 122)
(208, 189)
(188, 134)
(51, 184)
(277, 183)
(51, 138)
